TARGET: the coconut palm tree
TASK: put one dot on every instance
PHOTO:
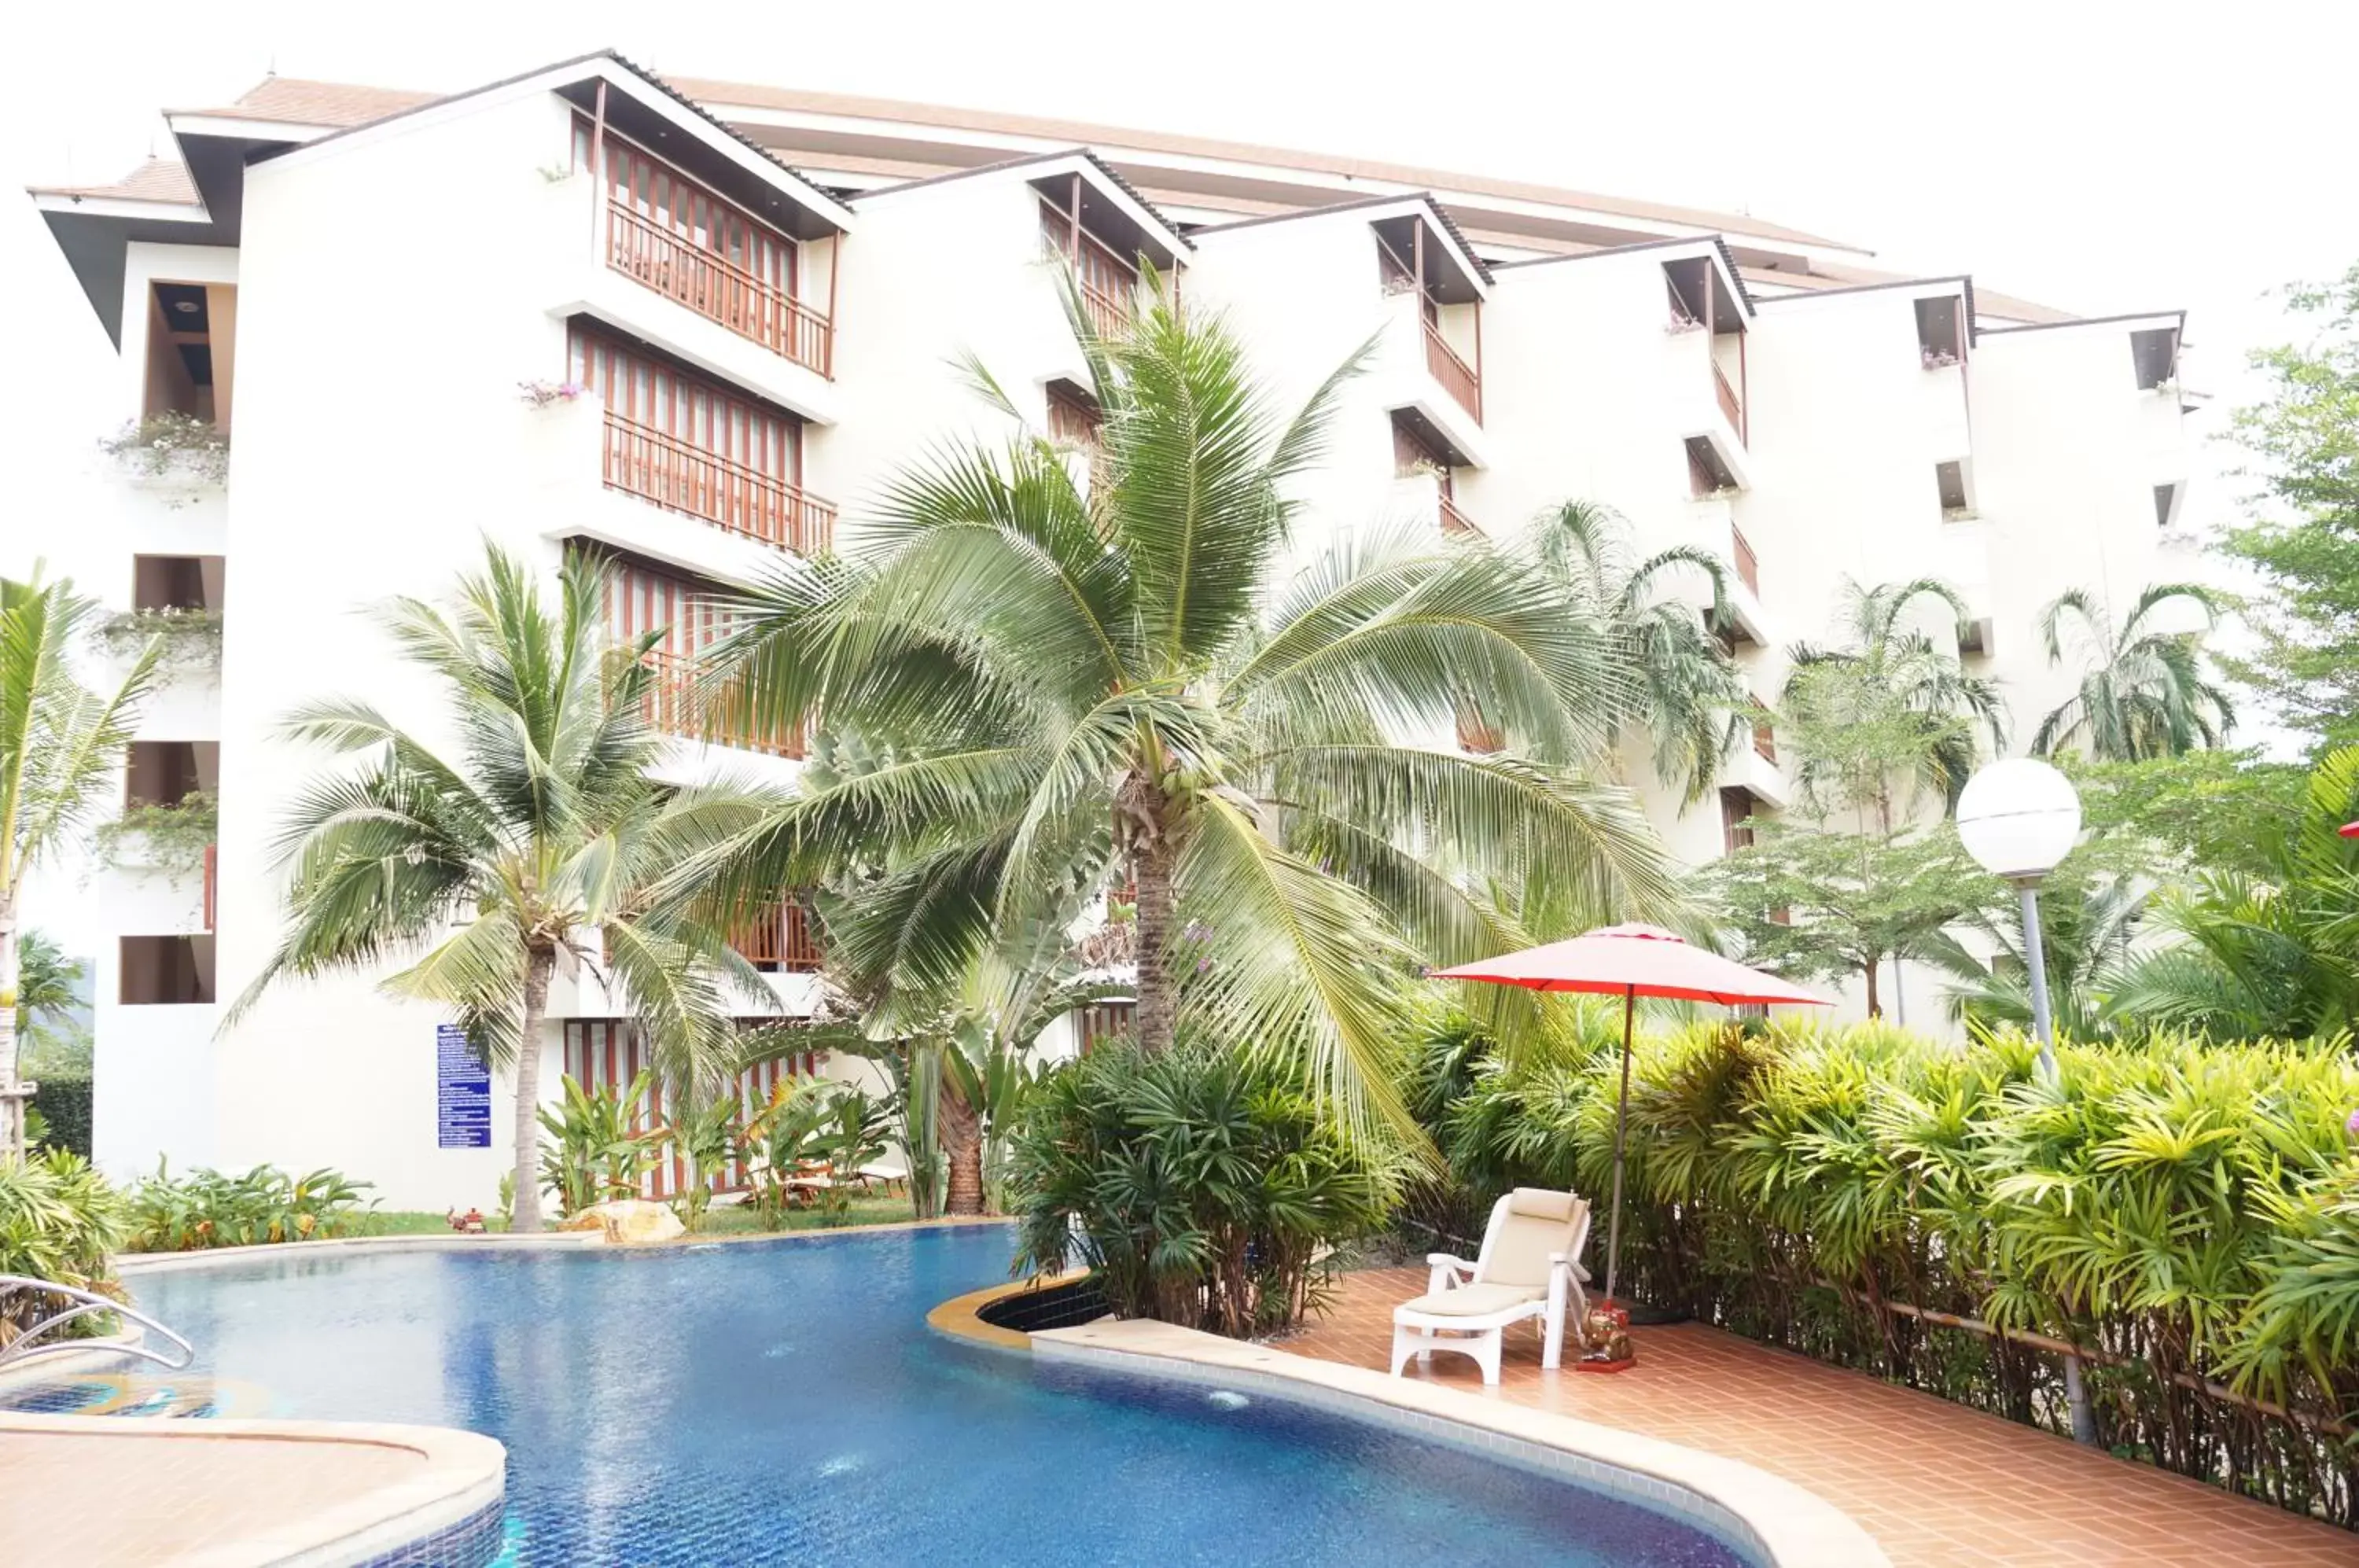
(61, 742)
(539, 847)
(1128, 676)
(2143, 694)
(1679, 686)
(1889, 706)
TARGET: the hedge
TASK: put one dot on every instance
(2184, 1214)
(64, 1101)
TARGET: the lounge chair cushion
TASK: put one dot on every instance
(1472, 1300)
(1519, 1249)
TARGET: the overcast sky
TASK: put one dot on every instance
(2100, 157)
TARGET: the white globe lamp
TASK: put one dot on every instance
(2019, 818)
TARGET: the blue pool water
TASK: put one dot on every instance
(783, 1403)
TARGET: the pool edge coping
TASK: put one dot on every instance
(464, 1473)
(1785, 1524)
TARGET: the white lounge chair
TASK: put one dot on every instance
(1529, 1268)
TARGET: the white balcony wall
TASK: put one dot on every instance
(154, 1091)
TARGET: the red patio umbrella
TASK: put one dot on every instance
(1631, 962)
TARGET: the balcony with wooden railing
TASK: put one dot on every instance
(213, 883)
(667, 471)
(783, 938)
(718, 289)
(1457, 377)
(1478, 735)
(1109, 285)
(1765, 740)
(1454, 521)
(1748, 568)
(676, 705)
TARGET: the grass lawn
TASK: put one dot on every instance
(735, 1219)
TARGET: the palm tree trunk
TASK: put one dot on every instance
(963, 1142)
(526, 1217)
(1143, 806)
(12, 1094)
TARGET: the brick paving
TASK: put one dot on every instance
(1940, 1485)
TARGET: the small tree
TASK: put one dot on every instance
(59, 746)
(1817, 905)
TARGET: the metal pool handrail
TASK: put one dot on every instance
(21, 1349)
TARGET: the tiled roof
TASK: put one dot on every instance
(1987, 301)
(156, 180)
(291, 101)
(1110, 141)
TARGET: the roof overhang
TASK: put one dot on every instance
(1711, 248)
(1137, 218)
(1467, 274)
(94, 234)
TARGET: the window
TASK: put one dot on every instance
(2166, 504)
(1073, 416)
(1737, 809)
(166, 971)
(1953, 481)
(2154, 353)
(1974, 641)
(1708, 472)
(176, 583)
(1940, 332)
(189, 350)
(166, 772)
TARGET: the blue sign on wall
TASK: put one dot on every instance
(463, 1098)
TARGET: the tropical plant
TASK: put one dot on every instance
(1134, 679)
(172, 442)
(187, 637)
(706, 1132)
(1202, 1185)
(597, 1150)
(544, 841)
(210, 1208)
(59, 744)
(2087, 927)
(2178, 1212)
(163, 838)
(2267, 954)
(2143, 694)
(1889, 714)
(1678, 687)
(58, 1220)
(48, 984)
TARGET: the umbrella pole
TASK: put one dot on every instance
(1621, 1131)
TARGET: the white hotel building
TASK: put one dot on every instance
(768, 290)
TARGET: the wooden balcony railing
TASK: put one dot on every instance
(1765, 740)
(1478, 735)
(212, 882)
(1454, 521)
(718, 289)
(1748, 569)
(783, 937)
(724, 492)
(1729, 407)
(674, 705)
(1457, 378)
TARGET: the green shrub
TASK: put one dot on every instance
(2183, 1210)
(62, 1102)
(1203, 1187)
(214, 1208)
(594, 1150)
(58, 1220)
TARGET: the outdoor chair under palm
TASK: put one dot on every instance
(1529, 1268)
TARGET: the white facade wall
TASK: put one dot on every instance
(396, 284)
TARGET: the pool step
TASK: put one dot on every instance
(182, 1396)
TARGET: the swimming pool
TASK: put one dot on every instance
(783, 1403)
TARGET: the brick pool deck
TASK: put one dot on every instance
(1938, 1486)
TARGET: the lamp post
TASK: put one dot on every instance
(2017, 819)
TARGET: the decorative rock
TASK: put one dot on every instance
(632, 1221)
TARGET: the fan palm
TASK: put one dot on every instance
(543, 836)
(59, 744)
(1890, 701)
(2143, 694)
(1118, 675)
(1679, 686)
